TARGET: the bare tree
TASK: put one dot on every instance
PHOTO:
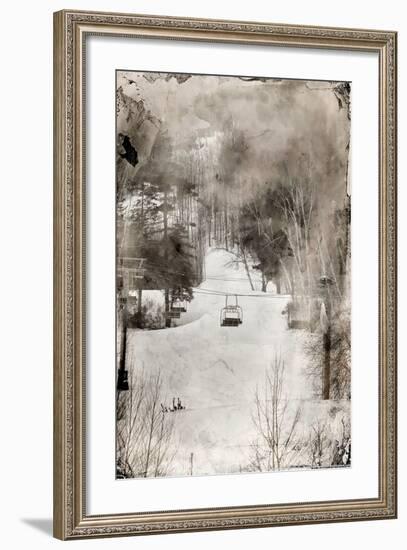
(341, 454)
(145, 443)
(158, 431)
(329, 443)
(340, 356)
(318, 445)
(276, 425)
(239, 256)
(297, 203)
(129, 425)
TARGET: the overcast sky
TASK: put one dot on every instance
(282, 121)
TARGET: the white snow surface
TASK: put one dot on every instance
(215, 370)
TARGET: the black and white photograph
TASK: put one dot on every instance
(233, 274)
(208, 345)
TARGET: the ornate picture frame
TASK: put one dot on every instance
(71, 519)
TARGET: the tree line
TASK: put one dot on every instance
(202, 192)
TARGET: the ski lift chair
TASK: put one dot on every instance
(179, 306)
(171, 314)
(296, 316)
(231, 315)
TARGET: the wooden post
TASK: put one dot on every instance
(327, 363)
(167, 290)
(325, 320)
(140, 291)
(278, 284)
(139, 298)
(263, 281)
(122, 380)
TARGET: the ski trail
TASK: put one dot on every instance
(215, 370)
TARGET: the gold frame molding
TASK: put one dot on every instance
(70, 518)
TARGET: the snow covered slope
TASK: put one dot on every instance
(215, 370)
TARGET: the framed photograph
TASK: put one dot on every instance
(225, 274)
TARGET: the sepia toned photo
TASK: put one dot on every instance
(233, 274)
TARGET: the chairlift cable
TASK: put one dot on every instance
(210, 292)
